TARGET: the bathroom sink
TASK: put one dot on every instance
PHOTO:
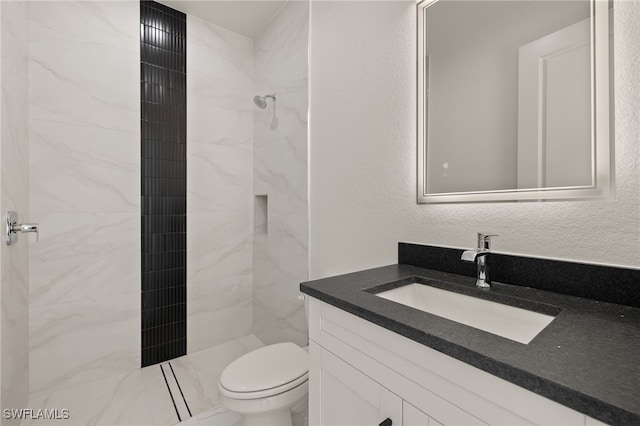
(513, 323)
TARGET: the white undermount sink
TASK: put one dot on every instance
(507, 321)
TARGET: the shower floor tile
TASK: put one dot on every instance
(219, 416)
(198, 373)
(214, 417)
(136, 398)
(141, 397)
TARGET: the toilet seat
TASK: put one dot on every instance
(265, 392)
(265, 372)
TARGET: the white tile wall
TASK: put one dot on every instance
(14, 263)
(219, 184)
(84, 340)
(81, 256)
(84, 63)
(280, 171)
(218, 52)
(84, 170)
(75, 72)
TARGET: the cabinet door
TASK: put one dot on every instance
(348, 397)
(411, 416)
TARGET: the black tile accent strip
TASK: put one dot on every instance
(163, 182)
(597, 282)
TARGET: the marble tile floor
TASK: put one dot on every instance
(141, 397)
(208, 394)
(198, 373)
(219, 416)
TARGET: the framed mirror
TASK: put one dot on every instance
(513, 100)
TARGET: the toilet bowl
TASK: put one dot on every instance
(264, 384)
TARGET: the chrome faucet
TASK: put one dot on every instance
(479, 256)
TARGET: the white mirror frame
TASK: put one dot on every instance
(600, 132)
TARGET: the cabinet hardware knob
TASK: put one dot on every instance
(386, 422)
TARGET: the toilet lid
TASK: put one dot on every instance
(265, 368)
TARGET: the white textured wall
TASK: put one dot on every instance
(84, 170)
(363, 161)
(219, 184)
(280, 171)
(14, 291)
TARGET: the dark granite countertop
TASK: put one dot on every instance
(588, 358)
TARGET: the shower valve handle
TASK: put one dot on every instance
(12, 227)
(27, 227)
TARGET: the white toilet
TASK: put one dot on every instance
(264, 384)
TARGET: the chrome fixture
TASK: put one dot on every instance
(261, 101)
(479, 256)
(12, 227)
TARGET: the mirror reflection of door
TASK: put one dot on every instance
(554, 115)
(476, 54)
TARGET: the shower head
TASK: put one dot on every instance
(261, 101)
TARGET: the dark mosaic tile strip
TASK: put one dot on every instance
(166, 351)
(163, 182)
(157, 280)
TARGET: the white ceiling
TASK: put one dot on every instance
(245, 17)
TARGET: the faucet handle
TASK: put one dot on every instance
(12, 227)
(28, 227)
(484, 241)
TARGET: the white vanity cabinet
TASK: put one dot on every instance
(363, 374)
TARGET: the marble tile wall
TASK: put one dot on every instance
(84, 171)
(14, 262)
(219, 184)
(280, 258)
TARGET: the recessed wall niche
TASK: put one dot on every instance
(260, 215)
(164, 192)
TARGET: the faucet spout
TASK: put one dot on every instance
(469, 255)
(479, 256)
